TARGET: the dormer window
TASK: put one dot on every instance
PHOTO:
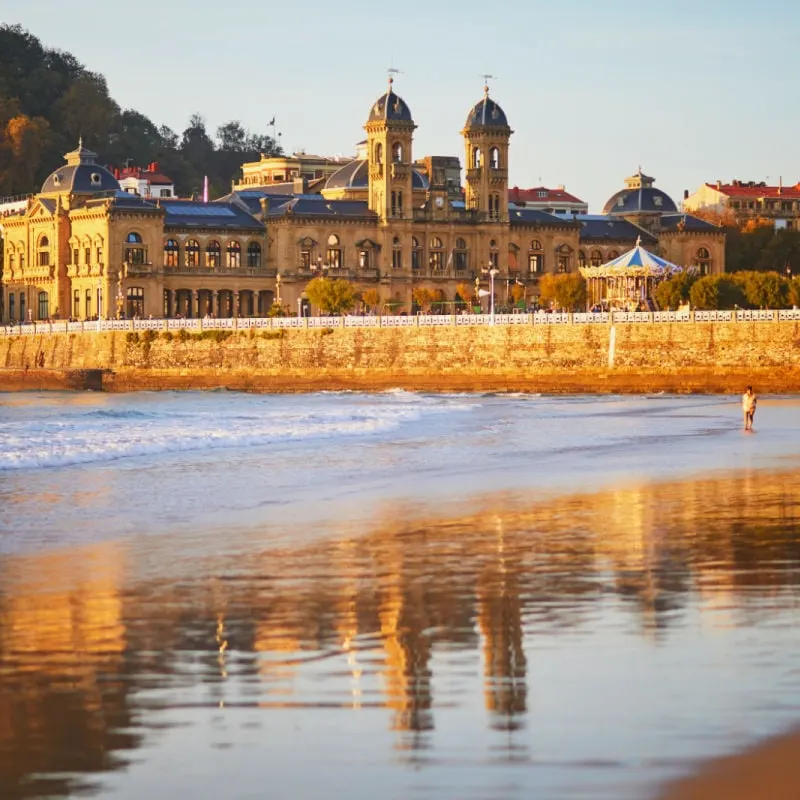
(95, 179)
(57, 180)
(658, 201)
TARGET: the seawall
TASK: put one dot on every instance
(680, 357)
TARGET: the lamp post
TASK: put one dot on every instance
(492, 271)
(478, 290)
(278, 288)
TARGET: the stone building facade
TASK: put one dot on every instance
(82, 248)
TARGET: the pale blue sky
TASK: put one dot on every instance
(691, 90)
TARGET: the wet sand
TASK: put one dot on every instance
(583, 381)
(768, 771)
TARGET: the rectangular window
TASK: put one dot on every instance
(460, 260)
(363, 259)
(397, 259)
(11, 309)
(493, 260)
(87, 254)
(563, 263)
(88, 303)
(99, 303)
(305, 259)
(99, 255)
(334, 258)
(415, 259)
(535, 262)
(76, 256)
(11, 261)
(44, 258)
(22, 306)
(436, 260)
(76, 304)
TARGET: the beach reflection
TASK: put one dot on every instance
(424, 622)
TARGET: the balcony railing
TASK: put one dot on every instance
(183, 269)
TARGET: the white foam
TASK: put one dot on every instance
(100, 435)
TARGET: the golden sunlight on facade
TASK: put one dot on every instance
(83, 248)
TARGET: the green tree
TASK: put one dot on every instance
(716, 292)
(86, 110)
(763, 289)
(674, 291)
(331, 296)
(423, 297)
(566, 291)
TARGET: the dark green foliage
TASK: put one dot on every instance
(674, 291)
(48, 99)
(715, 292)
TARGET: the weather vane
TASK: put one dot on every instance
(486, 78)
(391, 72)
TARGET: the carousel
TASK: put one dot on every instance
(628, 281)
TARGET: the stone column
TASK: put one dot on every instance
(235, 310)
(214, 303)
(169, 311)
(193, 305)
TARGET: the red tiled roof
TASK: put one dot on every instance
(742, 190)
(517, 195)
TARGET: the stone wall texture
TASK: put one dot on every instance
(685, 356)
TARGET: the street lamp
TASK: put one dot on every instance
(478, 290)
(278, 288)
(492, 271)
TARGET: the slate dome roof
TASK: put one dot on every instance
(646, 199)
(80, 175)
(640, 196)
(486, 114)
(390, 106)
(355, 175)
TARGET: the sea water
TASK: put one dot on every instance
(394, 594)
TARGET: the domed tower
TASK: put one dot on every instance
(390, 131)
(486, 135)
(640, 201)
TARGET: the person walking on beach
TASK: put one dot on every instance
(749, 407)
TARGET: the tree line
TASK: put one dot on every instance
(48, 99)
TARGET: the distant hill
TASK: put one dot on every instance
(48, 99)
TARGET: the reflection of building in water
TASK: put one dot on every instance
(62, 645)
(500, 622)
(277, 638)
(346, 613)
(407, 649)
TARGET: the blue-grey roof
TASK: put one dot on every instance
(672, 222)
(355, 175)
(390, 107)
(486, 114)
(86, 178)
(317, 206)
(191, 214)
(646, 199)
(532, 216)
(599, 227)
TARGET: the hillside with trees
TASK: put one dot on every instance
(48, 99)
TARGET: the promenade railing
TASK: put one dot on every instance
(421, 320)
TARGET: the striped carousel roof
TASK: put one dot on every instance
(637, 262)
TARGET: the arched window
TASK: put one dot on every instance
(379, 153)
(171, 253)
(416, 253)
(213, 254)
(135, 304)
(397, 152)
(536, 257)
(44, 305)
(334, 254)
(43, 252)
(254, 254)
(494, 158)
(192, 253)
(397, 254)
(134, 251)
(233, 255)
(703, 259)
(612, 254)
(460, 255)
(476, 157)
(581, 258)
(595, 258)
(436, 255)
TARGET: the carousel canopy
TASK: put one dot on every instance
(636, 263)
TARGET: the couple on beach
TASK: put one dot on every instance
(749, 402)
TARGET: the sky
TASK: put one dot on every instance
(691, 91)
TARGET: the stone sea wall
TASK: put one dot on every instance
(682, 356)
